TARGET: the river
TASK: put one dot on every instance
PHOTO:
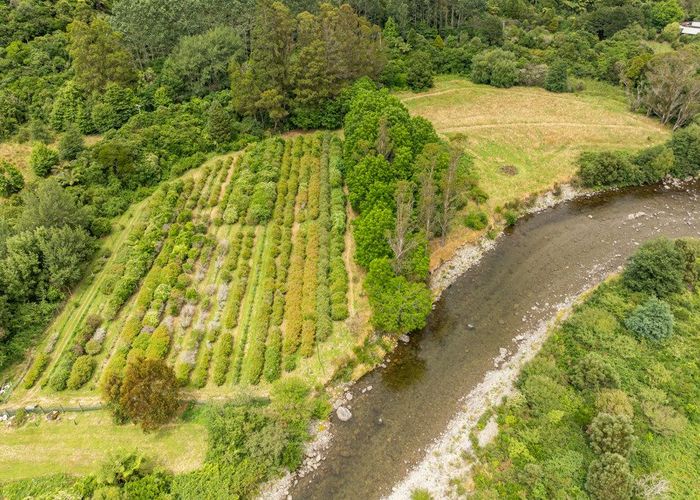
(543, 261)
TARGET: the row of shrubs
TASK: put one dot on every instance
(680, 158)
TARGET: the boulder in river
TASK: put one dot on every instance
(343, 414)
(405, 339)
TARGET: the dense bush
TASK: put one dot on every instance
(611, 434)
(651, 320)
(496, 67)
(594, 372)
(608, 168)
(686, 151)
(476, 220)
(38, 366)
(81, 372)
(43, 159)
(656, 268)
(609, 478)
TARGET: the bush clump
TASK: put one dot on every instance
(609, 477)
(81, 372)
(651, 320)
(611, 434)
(594, 372)
(656, 268)
(476, 220)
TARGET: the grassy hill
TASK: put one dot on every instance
(525, 140)
(235, 274)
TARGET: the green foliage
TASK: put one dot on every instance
(594, 372)
(43, 159)
(557, 77)
(656, 268)
(611, 434)
(609, 478)
(198, 65)
(652, 320)
(495, 67)
(686, 151)
(11, 180)
(370, 231)
(38, 366)
(608, 168)
(71, 144)
(398, 306)
(420, 71)
(81, 372)
(476, 220)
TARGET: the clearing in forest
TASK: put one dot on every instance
(525, 139)
(234, 274)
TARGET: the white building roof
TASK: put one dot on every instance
(690, 30)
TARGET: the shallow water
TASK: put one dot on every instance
(545, 259)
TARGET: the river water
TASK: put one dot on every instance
(543, 261)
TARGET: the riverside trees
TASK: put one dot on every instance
(406, 186)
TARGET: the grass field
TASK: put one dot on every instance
(525, 140)
(79, 443)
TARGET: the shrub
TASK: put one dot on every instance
(149, 393)
(273, 354)
(652, 320)
(38, 367)
(159, 343)
(70, 144)
(476, 220)
(419, 75)
(611, 434)
(61, 372)
(496, 67)
(686, 151)
(608, 169)
(656, 268)
(81, 372)
(11, 179)
(222, 356)
(43, 159)
(557, 77)
(594, 372)
(609, 477)
(93, 347)
(614, 402)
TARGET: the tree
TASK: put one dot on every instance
(149, 393)
(43, 159)
(398, 306)
(98, 56)
(11, 180)
(666, 12)
(71, 144)
(557, 77)
(50, 205)
(671, 87)
(656, 268)
(220, 124)
(686, 151)
(114, 108)
(401, 240)
(371, 231)
(496, 67)
(199, 64)
(452, 187)
(420, 71)
(652, 320)
(611, 434)
(609, 477)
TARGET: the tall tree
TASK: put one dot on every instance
(149, 393)
(98, 55)
(401, 240)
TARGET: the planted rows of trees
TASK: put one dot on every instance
(204, 279)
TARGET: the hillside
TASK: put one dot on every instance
(234, 274)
